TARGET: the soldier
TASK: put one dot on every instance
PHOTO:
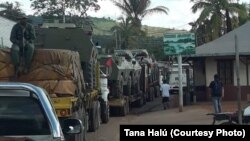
(22, 36)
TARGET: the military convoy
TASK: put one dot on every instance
(133, 79)
(86, 84)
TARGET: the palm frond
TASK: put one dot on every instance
(200, 5)
(159, 9)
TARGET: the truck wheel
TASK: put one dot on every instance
(140, 101)
(152, 95)
(144, 98)
(98, 114)
(157, 91)
(148, 95)
(94, 117)
(125, 109)
(105, 112)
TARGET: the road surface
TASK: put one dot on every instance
(153, 113)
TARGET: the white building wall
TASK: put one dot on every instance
(5, 26)
(211, 69)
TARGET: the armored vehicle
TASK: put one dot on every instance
(150, 83)
(123, 80)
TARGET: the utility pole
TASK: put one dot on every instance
(237, 58)
(2, 42)
(180, 83)
(63, 7)
(116, 42)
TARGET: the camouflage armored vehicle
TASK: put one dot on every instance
(60, 36)
(150, 83)
(124, 81)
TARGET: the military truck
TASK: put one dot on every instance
(61, 36)
(150, 74)
(58, 72)
(123, 80)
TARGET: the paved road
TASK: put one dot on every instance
(153, 113)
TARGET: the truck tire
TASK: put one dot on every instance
(140, 102)
(151, 93)
(157, 91)
(148, 95)
(125, 109)
(144, 98)
(94, 117)
(105, 112)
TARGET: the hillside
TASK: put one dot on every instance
(103, 26)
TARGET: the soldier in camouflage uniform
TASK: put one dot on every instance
(22, 36)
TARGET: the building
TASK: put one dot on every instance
(218, 56)
(5, 26)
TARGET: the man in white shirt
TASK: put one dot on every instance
(165, 94)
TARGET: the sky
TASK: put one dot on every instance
(178, 17)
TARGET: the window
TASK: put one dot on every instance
(22, 115)
(225, 71)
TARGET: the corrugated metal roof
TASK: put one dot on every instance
(216, 54)
(225, 45)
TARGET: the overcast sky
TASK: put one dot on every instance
(178, 17)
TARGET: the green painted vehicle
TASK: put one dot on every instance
(150, 78)
(124, 75)
(69, 37)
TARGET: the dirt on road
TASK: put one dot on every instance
(153, 113)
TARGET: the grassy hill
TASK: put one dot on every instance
(103, 26)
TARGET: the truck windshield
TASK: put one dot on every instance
(22, 115)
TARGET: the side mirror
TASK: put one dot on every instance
(72, 126)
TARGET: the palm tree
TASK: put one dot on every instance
(220, 14)
(11, 10)
(124, 30)
(138, 9)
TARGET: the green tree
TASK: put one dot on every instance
(218, 15)
(76, 9)
(122, 32)
(138, 9)
(11, 10)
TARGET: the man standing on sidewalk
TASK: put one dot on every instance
(217, 92)
(165, 94)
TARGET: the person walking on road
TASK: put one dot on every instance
(217, 93)
(165, 94)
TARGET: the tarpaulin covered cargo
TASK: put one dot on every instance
(57, 71)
